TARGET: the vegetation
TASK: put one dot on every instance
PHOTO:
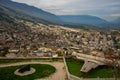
(74, 67)
(117, 46)
(26, 20)
(42, 70)
(5, 17)
(5, 51)
(59, 52)
(114, 57)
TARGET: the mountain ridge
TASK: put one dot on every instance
(117, 21)
(30, 10)
(83, 19)
(31, 13)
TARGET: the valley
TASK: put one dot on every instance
(29, 34)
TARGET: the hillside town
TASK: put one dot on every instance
(52, 41)
(59, 40)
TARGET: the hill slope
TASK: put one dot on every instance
(15, 8)
(83, 19)
(116, 21)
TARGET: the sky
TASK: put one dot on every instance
(106, 9)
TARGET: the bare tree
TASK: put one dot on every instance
(115, 58)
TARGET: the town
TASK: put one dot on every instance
(59, 40)
(52, 41)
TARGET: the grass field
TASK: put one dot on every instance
(74, 67)
(42, 70)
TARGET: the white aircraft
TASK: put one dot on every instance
(91, 62)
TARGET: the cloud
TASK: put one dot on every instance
(101, 8)
(115, 15)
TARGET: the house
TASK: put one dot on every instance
(55, 55)
(45, 49)
(97, 53)
(13, 50)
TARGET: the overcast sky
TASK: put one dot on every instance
(107, 9)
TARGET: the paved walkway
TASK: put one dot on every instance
(60, 73)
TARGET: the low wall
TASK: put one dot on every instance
(32, 59)
(68, 74)
(2, 58)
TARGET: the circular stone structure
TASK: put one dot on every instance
(32, 70)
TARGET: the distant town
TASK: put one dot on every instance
(59, 40)
(52, 41)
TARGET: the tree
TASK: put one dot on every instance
(34, 47)
(59, 52)
(4, 51)
(114, 57)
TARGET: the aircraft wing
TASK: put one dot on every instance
(88, 65)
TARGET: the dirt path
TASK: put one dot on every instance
(60, 73)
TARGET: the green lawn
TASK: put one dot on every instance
(42, 70)
(74, 67)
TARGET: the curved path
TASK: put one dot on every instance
(60, 73)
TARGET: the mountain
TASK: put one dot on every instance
(116, 21)
(83, 19)
(11, 25)
(33, 14)
(26, 11)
